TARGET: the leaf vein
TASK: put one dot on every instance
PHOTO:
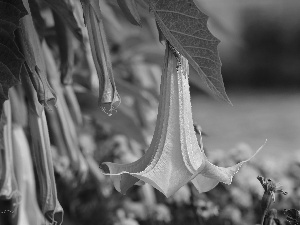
(175, 12)
(175, 31)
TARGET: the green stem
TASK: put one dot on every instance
(263, 216)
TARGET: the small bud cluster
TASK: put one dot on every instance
(270, 215)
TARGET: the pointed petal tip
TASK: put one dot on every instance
(213, 174)
(235, 169)
(257, 151)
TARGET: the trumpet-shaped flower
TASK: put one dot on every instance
(174, 156)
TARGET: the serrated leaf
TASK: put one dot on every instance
(9, 12)
(13, 63)
(129, 8)
(185, 27)
(67, 10)
(8, 26)
(11, 59)
(35, 64)
(10, 67)
(8, 40)
(18, 4)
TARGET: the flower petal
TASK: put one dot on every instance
(211, 175)
(174, 155)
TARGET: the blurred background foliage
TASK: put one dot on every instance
(260, 41)
(260, 51)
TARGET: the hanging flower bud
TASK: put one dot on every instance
(270, 189)
(29, 212)
(174, 156)
(94, 22)
(42, 161)
(8, 182)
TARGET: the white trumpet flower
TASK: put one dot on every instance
(174, 156)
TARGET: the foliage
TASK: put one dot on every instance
(59, 59)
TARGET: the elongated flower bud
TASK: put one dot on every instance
(29, 212)
(35, 64)
(78, 164)
(100, 52)
(66, 49)
(8, 183)
(42, 160)
(268, 198)
(174, 156)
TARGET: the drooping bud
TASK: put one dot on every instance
(108, 94)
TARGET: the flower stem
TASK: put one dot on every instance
(263, 216)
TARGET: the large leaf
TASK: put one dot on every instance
(11, 59)
(185, 27)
